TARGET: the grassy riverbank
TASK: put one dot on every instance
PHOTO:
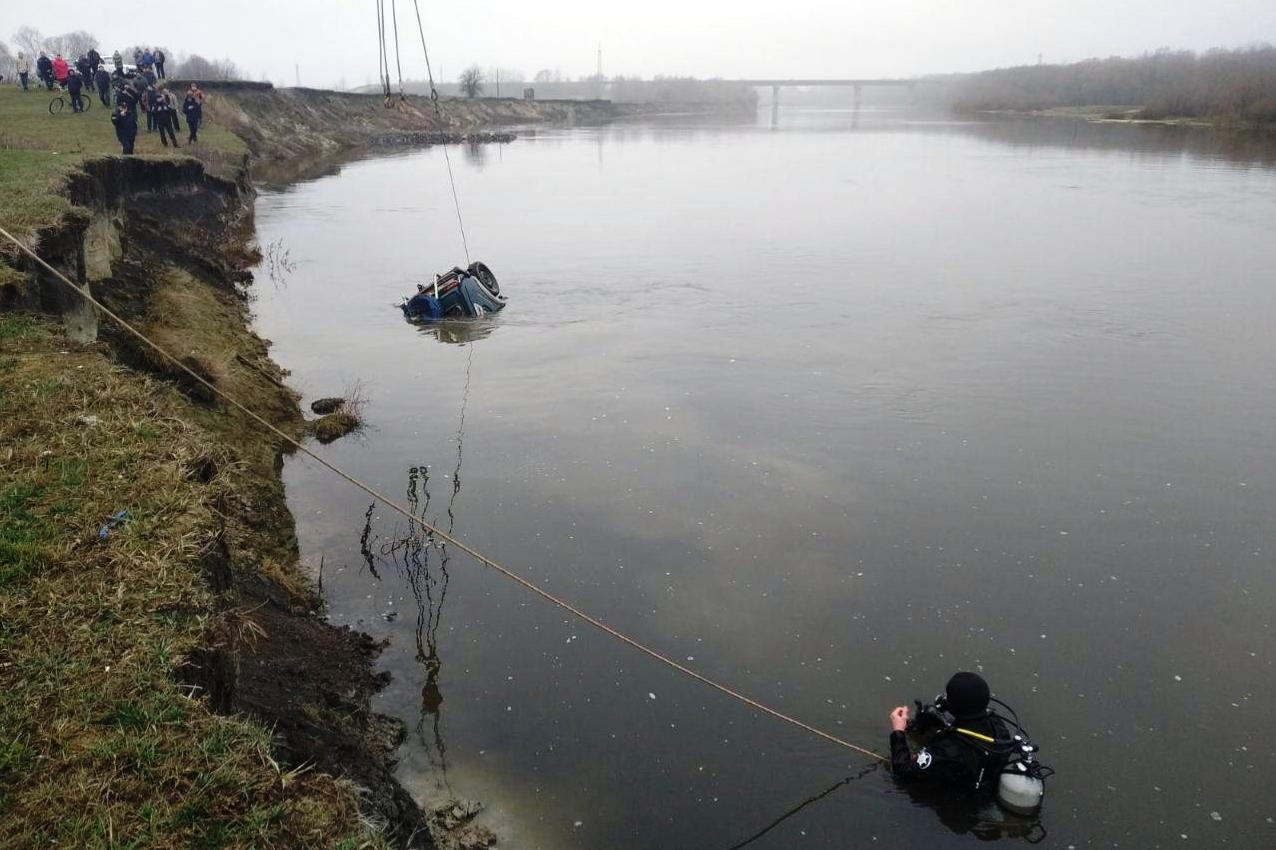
(101, 745)
(163, 681)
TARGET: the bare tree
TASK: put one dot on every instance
(6, 62)
(471, 81)
(196, 67)
(71, 44)
(30, 41)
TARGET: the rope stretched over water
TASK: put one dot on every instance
(440, 533)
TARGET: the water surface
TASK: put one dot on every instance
(827, 411)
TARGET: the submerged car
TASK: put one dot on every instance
(462, 293)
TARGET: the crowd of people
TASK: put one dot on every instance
(141, 87)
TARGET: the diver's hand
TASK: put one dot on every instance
(899, 719)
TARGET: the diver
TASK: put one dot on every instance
(969, 749)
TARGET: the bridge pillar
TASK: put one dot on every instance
(775, 105)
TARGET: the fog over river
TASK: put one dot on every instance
(825, 411)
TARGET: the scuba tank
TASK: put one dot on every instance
(1022, 784)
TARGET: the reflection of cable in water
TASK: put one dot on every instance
(846, 780)
(460, 436)
(364, 549)
(410, 552)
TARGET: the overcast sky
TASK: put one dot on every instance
(335, 40)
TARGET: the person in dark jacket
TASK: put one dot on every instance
(95, 59)
(85, 67)
(161, 113)
(955, 757)
(159, 63)
(102, 80)
(126, 97)
(125, 121)
(75, 87)
(193, 108)
(44, 69)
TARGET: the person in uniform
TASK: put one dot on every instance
(957, 733)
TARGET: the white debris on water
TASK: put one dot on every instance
(651, 696)
(1215, 816)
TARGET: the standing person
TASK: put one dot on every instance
(95, 59)
(145, 101)
(137, 56)
(60, 69)
(23, 64)
(174, 108)
(126, 97)
(74, 86)
(118, 60)
(44, 69)
(193, 107)
(159, 62)
(148, 58)
(161, 115)
(125, 122)
(102, 80)
(85, 67)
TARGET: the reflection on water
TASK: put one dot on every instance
(808, 802)
(459, 331)
(408, 551)
(832, 410)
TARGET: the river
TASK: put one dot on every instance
(825, 410)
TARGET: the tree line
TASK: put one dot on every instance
(32, 42)
(1222, 84)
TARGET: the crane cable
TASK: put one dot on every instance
(434, 530)
(434, 98)
(383, 60)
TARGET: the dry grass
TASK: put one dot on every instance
(100, 746)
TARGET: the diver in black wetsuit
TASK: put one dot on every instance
(957, 755)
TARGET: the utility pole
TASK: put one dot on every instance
(498, 82)
(296, 69)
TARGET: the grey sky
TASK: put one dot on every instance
(333, 40)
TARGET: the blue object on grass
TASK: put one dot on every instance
(113, 522)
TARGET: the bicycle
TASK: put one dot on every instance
(62, 98)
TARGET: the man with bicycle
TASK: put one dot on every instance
(74, 87)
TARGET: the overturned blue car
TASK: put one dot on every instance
(462, 293)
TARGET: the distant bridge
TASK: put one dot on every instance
(842, 83)
(858, 85)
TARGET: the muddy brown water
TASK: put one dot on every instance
(826, 411)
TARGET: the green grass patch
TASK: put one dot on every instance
(99, 744)
(16, 326)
